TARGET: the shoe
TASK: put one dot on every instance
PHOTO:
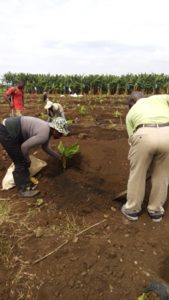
(156, 217)
(29, 193)
(132, 216)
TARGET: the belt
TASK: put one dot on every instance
(152, 125)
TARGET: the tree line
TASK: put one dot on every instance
(89, 84)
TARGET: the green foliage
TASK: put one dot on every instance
(117, 114)
(83, 110)
(112, 125)
(90, 84)
(142, 297)
(67, 152)
(70, 122)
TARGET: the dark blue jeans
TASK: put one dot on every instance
(13, 148)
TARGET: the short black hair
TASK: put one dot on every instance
(21, 83)
(45, 95)
(134, 97)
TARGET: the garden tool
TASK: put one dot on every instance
(124, 193)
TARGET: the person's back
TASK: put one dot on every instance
(54, 110)
(148, 129)
(153, 109)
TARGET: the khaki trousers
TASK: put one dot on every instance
(149, 147)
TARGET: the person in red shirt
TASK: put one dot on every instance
(15, 98)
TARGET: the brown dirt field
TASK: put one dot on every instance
(116, 258)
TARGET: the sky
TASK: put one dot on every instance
(84, 36)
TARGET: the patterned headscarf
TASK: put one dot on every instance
(60, 125)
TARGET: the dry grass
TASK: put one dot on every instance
(5, 209)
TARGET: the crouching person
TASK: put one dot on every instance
(18, 135)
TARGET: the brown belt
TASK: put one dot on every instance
(152, 125)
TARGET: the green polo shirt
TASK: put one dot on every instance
(151, 110)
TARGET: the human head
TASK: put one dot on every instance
(59, 124)
(45, 96)
(134, 97)
(20, 85)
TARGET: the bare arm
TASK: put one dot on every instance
(49, 151)
(30, 143)
(9, 100)
(9, 96)
(37, 141)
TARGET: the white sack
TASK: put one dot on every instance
(36, 165)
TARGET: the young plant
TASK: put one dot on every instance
(83, 110)
(118, 114)
(112, 125)
(70, 122)
(142, 297)
(67, 152)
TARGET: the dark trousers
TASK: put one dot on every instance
(13, 148)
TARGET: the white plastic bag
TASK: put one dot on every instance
(36, 165)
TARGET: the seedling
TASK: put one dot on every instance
(112, 125)
(67, 152)
(70, 122)
(83, 110)
(117, 114)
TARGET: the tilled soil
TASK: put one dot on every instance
(71, 241)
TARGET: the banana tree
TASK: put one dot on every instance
(67, 152)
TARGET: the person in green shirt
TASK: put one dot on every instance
(147, 125)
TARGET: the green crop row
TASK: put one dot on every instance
(89, 84)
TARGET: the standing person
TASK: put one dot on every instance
(15, 98)
(148, 129)
(18, 135)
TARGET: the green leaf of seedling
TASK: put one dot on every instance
(142, 297)
(61, 148)
(70, 122)
(117, 114)
(71, 150)
(67, 152)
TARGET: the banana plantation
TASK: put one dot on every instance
(89, 84)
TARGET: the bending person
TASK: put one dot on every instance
(148, 129)
(18, 135)
(54, 110)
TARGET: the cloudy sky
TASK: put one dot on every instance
(84, 36)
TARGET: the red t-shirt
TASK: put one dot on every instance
(17, 96)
